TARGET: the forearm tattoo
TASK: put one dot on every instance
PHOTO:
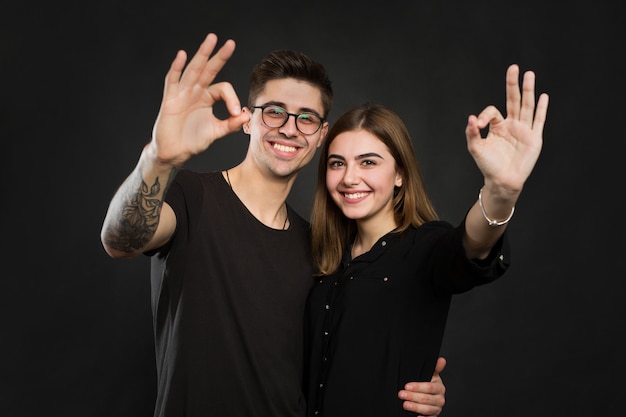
(140, 209)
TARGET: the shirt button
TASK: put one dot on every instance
(327, 307)
(384, 243)
(501, 257)
(385, 279)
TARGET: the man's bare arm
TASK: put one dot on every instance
(135, 213)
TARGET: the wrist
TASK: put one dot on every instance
(491, 221)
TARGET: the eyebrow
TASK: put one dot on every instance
(362, 156)
(300, 110)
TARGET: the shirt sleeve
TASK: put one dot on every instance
(454, 272)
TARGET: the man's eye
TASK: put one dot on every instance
(274, 111)
(308, 118)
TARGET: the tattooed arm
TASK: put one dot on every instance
(137, 219)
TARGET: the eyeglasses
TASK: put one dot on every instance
(275, 116)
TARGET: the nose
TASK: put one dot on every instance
(289, 128)
(351, 175)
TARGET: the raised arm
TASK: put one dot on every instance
(137, 219)
(506, 156)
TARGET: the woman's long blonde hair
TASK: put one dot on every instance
(331, 230)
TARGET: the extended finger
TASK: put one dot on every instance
(528, 98)
(512, 92)
(540, 113)
(216, 63)
(173, 75)
(196, 66)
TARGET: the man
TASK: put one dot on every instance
(231, 262)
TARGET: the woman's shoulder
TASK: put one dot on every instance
(432, 227)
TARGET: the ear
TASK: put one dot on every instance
(246, 126)
(398, 182)
(323, 133)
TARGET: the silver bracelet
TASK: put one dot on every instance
(492, 223)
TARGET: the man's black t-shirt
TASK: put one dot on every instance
(228, 296)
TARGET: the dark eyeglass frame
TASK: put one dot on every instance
(295, 115)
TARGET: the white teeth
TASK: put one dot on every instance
(354, 196)
(284, 148)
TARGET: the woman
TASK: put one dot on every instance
(387, 266)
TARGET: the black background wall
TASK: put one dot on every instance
(81, 84)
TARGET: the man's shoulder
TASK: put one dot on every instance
(190, 177)
(296, 218)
